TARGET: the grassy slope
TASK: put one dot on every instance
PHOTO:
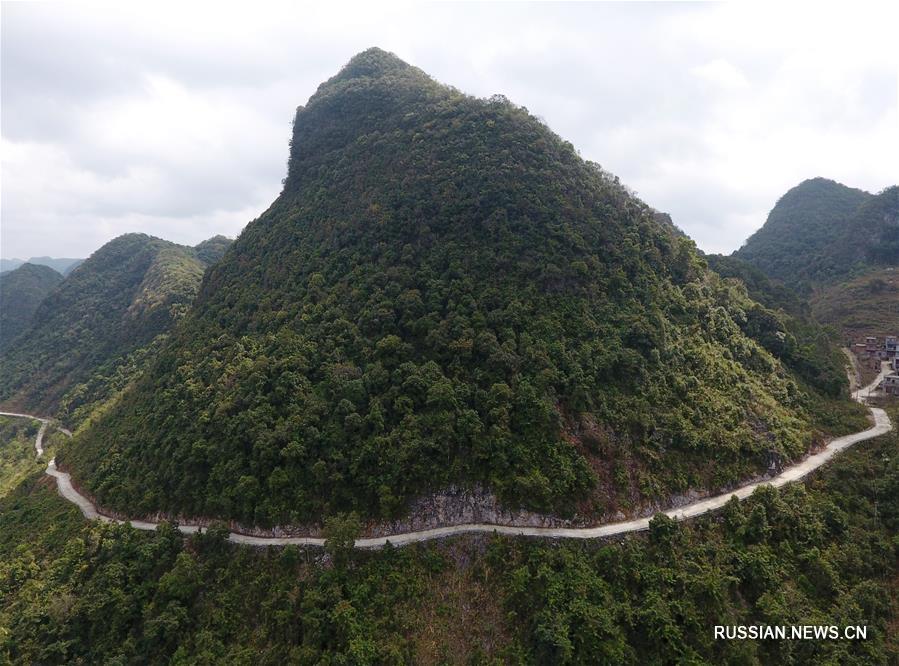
(865, 305)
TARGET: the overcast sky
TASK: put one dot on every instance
(173, 119)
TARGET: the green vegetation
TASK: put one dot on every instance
(821, 553)
(446, 293)
(212, 249)
(865, 301)
(21, 291)
(786, 327)
(89, 336)
(866, 305)
(17, 454)
(837, 247)
(873, 237)
(805, 228)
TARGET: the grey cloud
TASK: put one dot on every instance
(681, 101)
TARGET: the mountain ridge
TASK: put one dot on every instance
(444, 293)
(123, 296)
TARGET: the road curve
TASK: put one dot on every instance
(793, 473)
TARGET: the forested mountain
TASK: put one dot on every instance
(212, 249)
(445, 293)
(21, 291)
(837, 247)
(126, 294)
(799, 234)
(821, 233)
(865, 300)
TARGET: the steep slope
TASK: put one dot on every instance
(798, 237)
(784, 325)
(126, 294)
(444, 293)
(21, 291)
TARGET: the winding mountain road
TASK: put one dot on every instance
(793, 473)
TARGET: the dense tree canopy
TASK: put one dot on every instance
(117, 302)
(446, 293)
(21, 292)
(783, 323)
(820, 553)
(797, 241)
(822, 233)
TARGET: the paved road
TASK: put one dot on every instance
(881, 426)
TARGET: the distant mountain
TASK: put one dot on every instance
(445, 294)
(872, 237)
(7, 265)
(21, 291)
(71, 267)
(119, 300)
(61, 265)
(821, 232)
(212, 249)
(837, 247)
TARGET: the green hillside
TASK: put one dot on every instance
(118, 301)
(797, 241)
(864, 305)
(820, 553)
(822, 233)
(17, 455)
(212, 249)
(866, 300)
(873, 235)
(21, 291)
(445, 293)
(837, 247)
(795, 336)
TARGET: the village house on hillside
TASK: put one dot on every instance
(874, 351)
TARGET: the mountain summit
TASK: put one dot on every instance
(445, 294)
(822, 231)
